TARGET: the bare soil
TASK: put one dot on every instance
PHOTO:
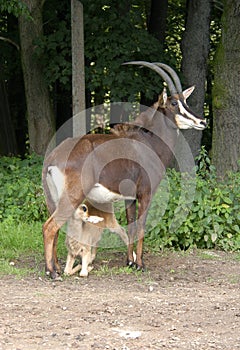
(183, 301)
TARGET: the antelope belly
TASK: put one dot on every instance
(101, 194)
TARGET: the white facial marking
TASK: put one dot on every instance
(185, 123)
(183, 111)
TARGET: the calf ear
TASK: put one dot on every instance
(94, 219)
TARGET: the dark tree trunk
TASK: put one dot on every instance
(39, 108)
(195, 50)
(158, 19)
(226, 102)
(8, 144)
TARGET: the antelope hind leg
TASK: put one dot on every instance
(50, 232)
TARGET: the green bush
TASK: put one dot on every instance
(187, 211)
(205, 217)
(21, 193)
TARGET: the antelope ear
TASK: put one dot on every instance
(186, 93)
(162, 99)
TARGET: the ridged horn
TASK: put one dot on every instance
(159, 70)
(172, 73)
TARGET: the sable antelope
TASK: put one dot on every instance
(84, 230)
(127, 164)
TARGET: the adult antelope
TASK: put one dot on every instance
(127, 164)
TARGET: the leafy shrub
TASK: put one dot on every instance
(21, 194)
(186, 211)
(207, 216)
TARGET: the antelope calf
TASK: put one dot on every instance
(84, 230)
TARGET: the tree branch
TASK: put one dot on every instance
(10, 42)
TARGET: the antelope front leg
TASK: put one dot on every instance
(140, 237)
(50, 231)
(139, 253)
(131, 219)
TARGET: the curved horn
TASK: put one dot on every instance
(159, 70)
(172, 73)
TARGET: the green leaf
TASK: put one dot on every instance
(227, 200)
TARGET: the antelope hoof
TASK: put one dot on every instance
(58, 269)
(54, 275)
(140, 268)
(131, 264)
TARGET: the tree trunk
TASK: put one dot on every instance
(78, 69)
(158, 20)
(39, 109)
(8, 144)
(226, 102)
(195, 49)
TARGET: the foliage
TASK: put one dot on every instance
(21, 194)
(175, 28)
(54, 47)
(115, 32)
(213, 215)
(15, 7)
(115, 35)
(185, 212)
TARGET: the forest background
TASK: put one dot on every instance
(200, 39)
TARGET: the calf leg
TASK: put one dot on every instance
(69, 270)
(93, 254)
(86, 260)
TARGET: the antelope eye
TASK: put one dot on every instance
(174, 103)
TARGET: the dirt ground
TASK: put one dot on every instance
(183, 301)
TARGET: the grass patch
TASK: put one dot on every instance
(21, 248)
(209, 255)
(105, 270)
(7, 268)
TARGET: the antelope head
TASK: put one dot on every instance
(176, 103)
